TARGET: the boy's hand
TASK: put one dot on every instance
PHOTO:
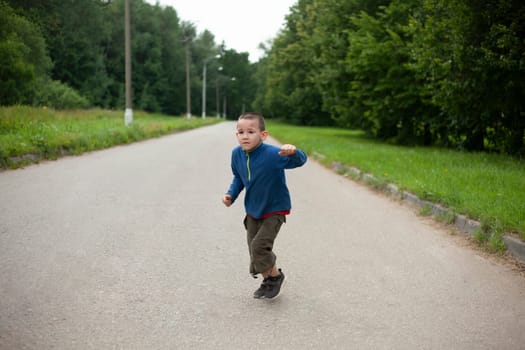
(227, 200)
(287, 150)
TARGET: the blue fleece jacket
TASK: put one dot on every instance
(261, 173)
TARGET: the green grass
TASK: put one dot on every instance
(28, 135)
(486, 187)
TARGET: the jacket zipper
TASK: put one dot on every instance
(248, 165)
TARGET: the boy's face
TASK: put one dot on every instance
(249, 134)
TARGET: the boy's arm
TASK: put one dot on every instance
(287, 150)
(295, 156)
(227, 200)
(235, 188)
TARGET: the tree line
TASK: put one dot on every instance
(416, 72)
(70, 54)
(429, 72)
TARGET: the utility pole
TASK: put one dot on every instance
(188, 93)
(204, 90)
(128, 114)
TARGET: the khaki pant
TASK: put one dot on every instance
(261, 234)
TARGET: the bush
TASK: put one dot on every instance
(54, 94)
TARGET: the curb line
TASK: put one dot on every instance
(514, 246)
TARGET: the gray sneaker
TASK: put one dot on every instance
(273, 286)
(261, 292)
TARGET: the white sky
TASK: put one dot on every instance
(241, 24)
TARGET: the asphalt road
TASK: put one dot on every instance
(131, 248)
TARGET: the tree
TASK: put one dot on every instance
(75, 31)
(23, 57)
(470, 56)
(290, 90)
(384, 93)
(237, 82)
(332, 24)
(171, 83)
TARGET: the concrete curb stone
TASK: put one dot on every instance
(516, 247)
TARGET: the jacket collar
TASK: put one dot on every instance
(257, 148)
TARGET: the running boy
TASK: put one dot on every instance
(259, 168)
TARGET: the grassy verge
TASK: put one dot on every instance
(28, 135)
(486, 187)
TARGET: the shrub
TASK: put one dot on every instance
(54, 94)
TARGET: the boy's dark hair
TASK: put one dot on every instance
(255, 116)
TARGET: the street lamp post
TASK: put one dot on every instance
(204, 84)
(224, 103)
(217, 101)
(224, 106)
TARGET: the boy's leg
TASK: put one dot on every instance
(261, 245)
(271, 272)
(252, 227)
(261, 235)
